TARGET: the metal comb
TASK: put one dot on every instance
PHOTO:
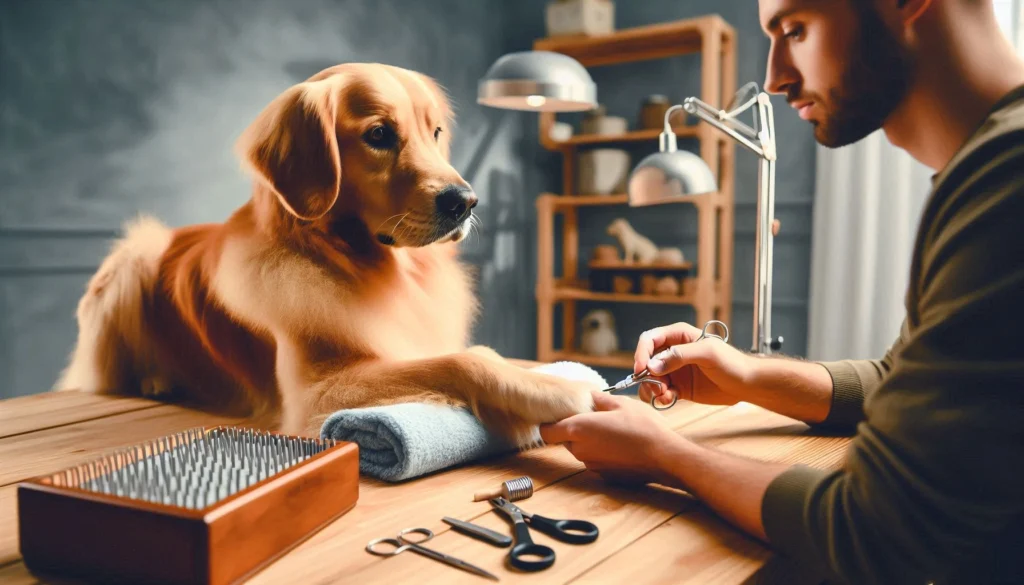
(192, 469)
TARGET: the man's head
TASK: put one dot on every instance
(841, 63)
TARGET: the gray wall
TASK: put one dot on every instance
(109, 108)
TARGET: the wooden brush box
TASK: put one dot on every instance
(70, 531)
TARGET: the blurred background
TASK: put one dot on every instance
(111, 108)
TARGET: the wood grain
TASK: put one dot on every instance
(337, 552)
(16, 574)
(621, 515)
(698, 546)
(761, 434)
(50, 450)
(653, 41)
(54, 409)
(8, 525)
(694, 547)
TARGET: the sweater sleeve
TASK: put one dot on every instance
(933, 476)
(853, 381)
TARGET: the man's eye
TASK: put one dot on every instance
(381, 137)
(437, 133)
(794, 32)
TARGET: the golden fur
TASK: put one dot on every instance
(332, 287)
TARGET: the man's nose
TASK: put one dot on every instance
(779, 75)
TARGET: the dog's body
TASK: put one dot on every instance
(337, 285)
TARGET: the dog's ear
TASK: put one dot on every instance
(292, 147)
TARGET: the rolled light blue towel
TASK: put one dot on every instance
(402, 441)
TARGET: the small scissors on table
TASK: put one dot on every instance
(646, 376)
(401, 544)
(570, 531)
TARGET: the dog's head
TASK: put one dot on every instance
(599, 320)
(368, 141)
(618, 227)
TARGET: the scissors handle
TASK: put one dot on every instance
(399, 544)
(570, 531)
(519, 556)
(654, 404)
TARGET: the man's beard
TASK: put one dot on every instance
(871, 87)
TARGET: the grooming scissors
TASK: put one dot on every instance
(569, 531)
(646, 376)
(402, 544)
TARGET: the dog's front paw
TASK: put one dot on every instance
(535, 399)
(557, 398)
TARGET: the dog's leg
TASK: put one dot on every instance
(508, 399)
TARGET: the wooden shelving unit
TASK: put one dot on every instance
(710, 290)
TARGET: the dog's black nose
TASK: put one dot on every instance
(456, 202)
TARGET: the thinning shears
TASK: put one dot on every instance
(646, 376)
(569, 531)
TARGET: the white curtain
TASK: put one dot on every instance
(868, 200)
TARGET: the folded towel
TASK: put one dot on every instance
(402, 441)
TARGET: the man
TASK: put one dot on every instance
(933, 485)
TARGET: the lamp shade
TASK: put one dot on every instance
(667, 176)
(541, 81)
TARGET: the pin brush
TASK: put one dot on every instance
(519, 488)
(194, 468)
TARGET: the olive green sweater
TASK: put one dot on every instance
(932, 489)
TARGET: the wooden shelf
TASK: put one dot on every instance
(710, 298)
(618, 359)
(682, 132)
(640, 43)
(572, 293)
(659, 266)
(556, 200)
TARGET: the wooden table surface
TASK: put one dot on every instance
(648, 535)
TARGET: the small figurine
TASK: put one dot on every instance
(670, 256)
(635, 246)
(622, 285)
(598, 336)
(605, 254)
(667, 286)
(648, 283)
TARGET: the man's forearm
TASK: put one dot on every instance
(732, 486)
(797, 389)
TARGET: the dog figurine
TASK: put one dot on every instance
(336, 285)
(599, 337)
(635, 247)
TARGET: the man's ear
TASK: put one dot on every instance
(292, 147)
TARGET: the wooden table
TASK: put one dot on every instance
(648, 535)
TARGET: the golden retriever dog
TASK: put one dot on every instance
(337, 285)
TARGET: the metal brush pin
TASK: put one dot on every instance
(519, 488)
(194, 468)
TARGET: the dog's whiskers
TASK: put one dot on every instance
(398, 224)
(390, 218)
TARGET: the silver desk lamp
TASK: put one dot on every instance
(671, 173)
(541, 81)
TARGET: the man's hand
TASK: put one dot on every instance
(624, 440)
(709, 371)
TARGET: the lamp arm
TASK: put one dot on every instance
(764, 343)
(710, 115)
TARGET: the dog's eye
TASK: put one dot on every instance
(381, 137)
(437, 133)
